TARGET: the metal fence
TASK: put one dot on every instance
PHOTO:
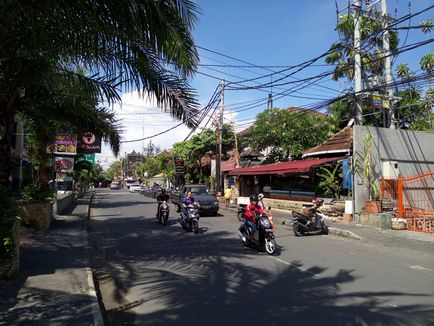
(413, 199)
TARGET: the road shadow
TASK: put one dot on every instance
(200, 280)
(36, 296)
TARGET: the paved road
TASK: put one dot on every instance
(154, 275)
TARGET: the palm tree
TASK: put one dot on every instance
(342, 53)
(122, 45)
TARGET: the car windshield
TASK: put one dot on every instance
(199, 191)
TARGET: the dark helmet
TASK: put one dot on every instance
(253, 198)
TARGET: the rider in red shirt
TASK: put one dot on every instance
(252, 210)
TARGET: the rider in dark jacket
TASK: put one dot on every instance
(163, 196)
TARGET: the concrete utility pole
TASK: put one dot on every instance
(270, 101)
(357, 64)
(220, 138)
(390, 117)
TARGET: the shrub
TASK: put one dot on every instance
(34, 192)
(8, 216)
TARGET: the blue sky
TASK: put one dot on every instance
(263, 33)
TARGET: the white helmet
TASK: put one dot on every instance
(260, 196)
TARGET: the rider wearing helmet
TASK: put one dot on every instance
(252, 210)
(163, 196)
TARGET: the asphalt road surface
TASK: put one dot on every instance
(154, 275)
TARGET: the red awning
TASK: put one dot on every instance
(301, 166)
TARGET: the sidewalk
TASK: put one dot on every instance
(370, 234)
(54, 285)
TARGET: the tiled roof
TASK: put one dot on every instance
(341, 142)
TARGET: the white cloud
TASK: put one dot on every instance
(140, 118)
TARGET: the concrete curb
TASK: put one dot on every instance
(91, 288)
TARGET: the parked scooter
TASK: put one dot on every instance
(263, 237)
(311, 220)
(163, 213)
(190, 221)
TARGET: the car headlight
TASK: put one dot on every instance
(216, 203)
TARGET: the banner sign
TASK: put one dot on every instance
(89, 143)
(64, 164)
(377, 101)
(90, 158)
(64, 144)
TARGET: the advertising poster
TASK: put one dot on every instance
(64, 144)
(64, 164)
(89, 143)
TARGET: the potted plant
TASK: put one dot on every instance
(9, 235)
(36, 206)
(363, 166)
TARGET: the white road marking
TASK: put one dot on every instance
(421, 268)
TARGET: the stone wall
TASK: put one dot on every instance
(36, 214)
(381, 220)
(64, 202)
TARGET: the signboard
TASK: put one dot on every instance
(89, 143)
(90, 158)
(64, 164)
(377, 101)
(64, 144)
(179, 165)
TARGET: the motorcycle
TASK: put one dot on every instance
(163, 213)
(263, 237)
(302, 222)
(190, 221)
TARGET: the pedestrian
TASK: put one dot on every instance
(228, 194)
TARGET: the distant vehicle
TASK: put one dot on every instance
(135, 187)
(129, 182)
(115, 185)
(208, 202)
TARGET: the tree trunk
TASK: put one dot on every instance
(6, 128)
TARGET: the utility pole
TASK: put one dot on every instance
(390, 117)
(237, 153)
(220, 137)
(270, 101)
(357, 64)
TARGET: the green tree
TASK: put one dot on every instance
(415, 104)
(114, 170)
(197, 147)
(143, 45)
(330, 179)
(289, 133)
(341, 53)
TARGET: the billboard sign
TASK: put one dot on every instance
(64, 164)
(89, 143)
(90, 158)
(64, 143)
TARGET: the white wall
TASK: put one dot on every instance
(412, 150)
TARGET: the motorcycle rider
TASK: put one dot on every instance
(260, 202)
(252, 210)
(163, 196)
(189, 200)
